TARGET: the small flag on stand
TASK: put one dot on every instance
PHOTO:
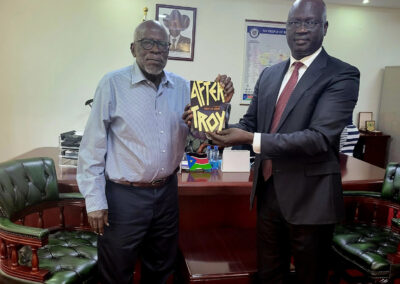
(198, 162)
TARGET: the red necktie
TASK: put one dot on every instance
(279, 108)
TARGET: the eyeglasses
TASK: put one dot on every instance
(309, 24)
(148, 44)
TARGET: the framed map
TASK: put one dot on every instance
(265, 45)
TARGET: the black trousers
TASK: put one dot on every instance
(277, 241)
(143, 222)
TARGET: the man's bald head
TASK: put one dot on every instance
(147, 26)
(319, 4)
(306, 27)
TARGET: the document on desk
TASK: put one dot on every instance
(236, 161)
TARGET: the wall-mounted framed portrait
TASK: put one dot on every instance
(181, 25)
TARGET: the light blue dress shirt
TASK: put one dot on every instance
(135, 132)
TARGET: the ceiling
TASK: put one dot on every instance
(373, 3)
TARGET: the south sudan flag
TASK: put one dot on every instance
(197, 161)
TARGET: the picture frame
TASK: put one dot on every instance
(180, 23)
(370, 125)
(363, 117)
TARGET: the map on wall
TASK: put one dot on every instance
(265, 45)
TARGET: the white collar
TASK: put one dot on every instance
(308, 59)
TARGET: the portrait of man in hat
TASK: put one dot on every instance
(176, 23)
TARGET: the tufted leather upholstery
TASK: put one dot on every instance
(64, 256)
(26, 182)
(71, 257)
(391, 184)
(368, 240)
(367, 247)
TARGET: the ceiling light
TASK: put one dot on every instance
(365, 1)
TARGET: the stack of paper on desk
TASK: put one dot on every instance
(236, 161)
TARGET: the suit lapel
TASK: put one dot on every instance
(272, 96)
(307, 80)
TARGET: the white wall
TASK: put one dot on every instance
(54, 52)
(389, 115)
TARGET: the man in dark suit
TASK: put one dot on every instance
(294, 122)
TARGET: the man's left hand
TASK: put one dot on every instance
(188, 116)
(231, 136)
(227, 84)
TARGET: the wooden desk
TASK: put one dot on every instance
(203, 195)
(217, 229)
(356, 175)
(372, 149)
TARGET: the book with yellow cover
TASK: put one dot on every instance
(208, 106)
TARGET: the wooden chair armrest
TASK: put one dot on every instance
(20, 234)
(12, 237)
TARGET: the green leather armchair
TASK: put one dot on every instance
(53, 250)
(366, 245)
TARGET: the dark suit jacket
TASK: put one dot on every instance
(304, 151)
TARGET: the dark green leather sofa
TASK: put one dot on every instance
(366, 245)
(65, 252)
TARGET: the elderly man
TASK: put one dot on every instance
(294, 122)
(132, 145)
